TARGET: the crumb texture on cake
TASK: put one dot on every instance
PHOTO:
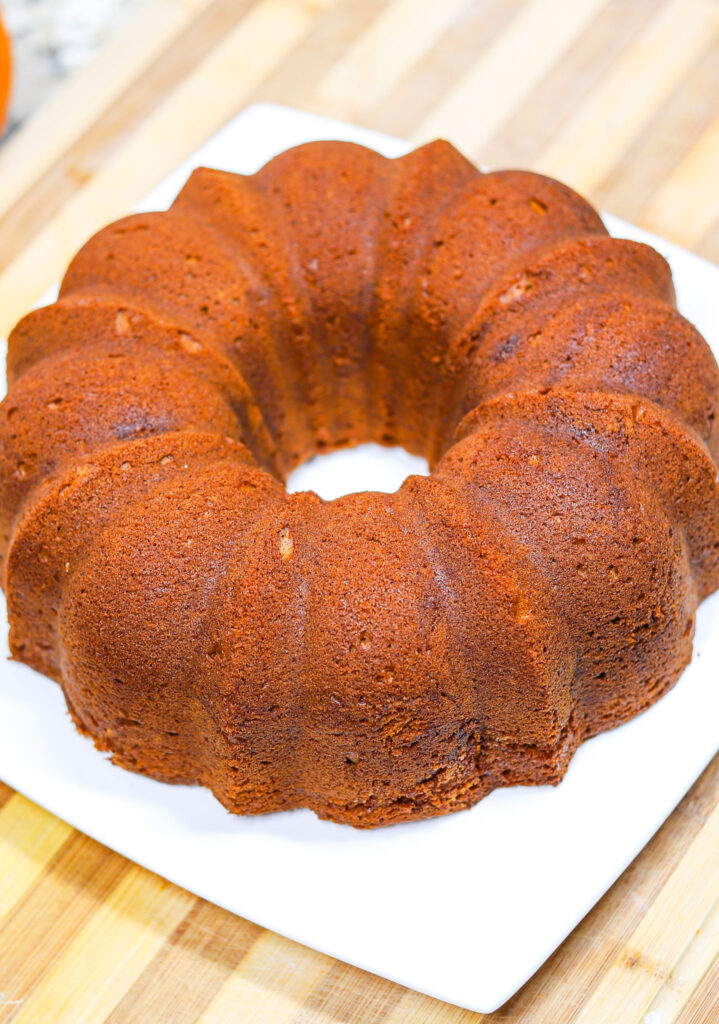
(381, 657)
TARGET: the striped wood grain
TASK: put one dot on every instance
(31, 154)
(619, 98)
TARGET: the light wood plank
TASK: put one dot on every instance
(414, 1006)
(664, 140)
(383, 55)
(602, 128)
(542, 114)
(73, 884)
(109, 952)
(638, 971)
(455, 51)
(33, 150)
(274, 978)
(294, 81)
(702, 1006)
(687, 974)
(193, 964)
(534, 40)
(687, 204)
(708, 245)
(29, 837)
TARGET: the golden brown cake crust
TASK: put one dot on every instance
(382, 657)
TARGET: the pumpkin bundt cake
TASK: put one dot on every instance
(380, 657)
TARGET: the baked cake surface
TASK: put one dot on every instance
(380, 657)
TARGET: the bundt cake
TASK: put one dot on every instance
(380, 657)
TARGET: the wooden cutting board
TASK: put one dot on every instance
(619, 98)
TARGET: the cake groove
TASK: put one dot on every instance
(248, 224)
(117, 324)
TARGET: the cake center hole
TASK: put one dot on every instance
(368, 467)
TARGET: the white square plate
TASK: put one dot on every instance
(464, 908)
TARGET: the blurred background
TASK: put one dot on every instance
(51, 38)
(618, 98)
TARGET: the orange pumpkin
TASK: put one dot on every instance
(5, 67)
